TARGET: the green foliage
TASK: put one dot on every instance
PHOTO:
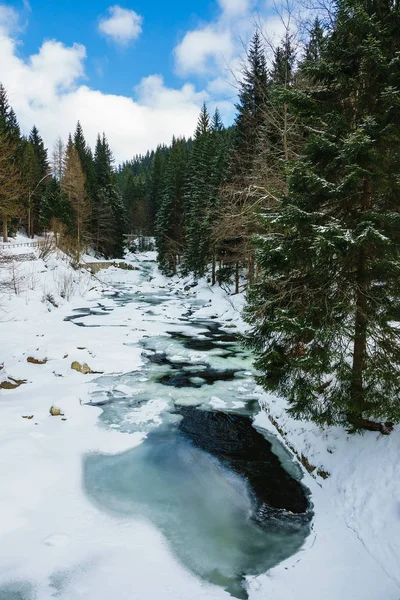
(12, 187)
(35, 171)
(55, 205)
(109, 216)
(40, 152)
(283, 64)
(110, 222)
(8, 120)
(86, 158)
(156, 184)
(170, 216)
(321, 313)
(206, 172)
(314, 46)
(253, 96)
(198, 197)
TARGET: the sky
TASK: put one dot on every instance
(138, 71)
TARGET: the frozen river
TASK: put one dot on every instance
(227, 503)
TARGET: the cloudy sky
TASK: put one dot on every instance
(137, 70)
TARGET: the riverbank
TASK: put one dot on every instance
(55, 543)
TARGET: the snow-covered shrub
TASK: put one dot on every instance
(46, 247)
(66, 285)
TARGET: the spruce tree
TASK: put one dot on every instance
(130, 198)
(86, 158)
(220, 144)
(57, 159)
(73, 185)
(56, 208)
(11, 185)
(156, 184)
(30, 170)
(323, 311)
(283, 64)
(170, 217)
(8, 121)
(38, 168)
(198, 198)
(39, 150)
(279, 137)
(313, 49)
(253, 96)
(235, 226)
(109, 219)
(12, 189)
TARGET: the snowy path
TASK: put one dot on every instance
(55, 543)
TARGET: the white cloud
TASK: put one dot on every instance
(122, 26)
(222, 87)
(234, 7)
(152, 93)
(211, 49)
(9, 19)
(48, 89)
(216, 50)
(203, 50)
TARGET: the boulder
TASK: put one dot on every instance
(85, 369)
(11, 383)
(36, 361)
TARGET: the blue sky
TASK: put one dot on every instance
(137, 70)
(110, 67)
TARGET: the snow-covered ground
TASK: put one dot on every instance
(55, 543)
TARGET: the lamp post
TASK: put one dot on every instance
(30, 194)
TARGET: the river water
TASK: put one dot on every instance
(227, 497)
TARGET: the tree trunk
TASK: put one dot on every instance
(237, 278)
(79, 228)
(251, 269)
(213, 274)
(285, 131)
(360, 336)
(360, 423)
(29, 216)
(5, 230)
(357, 391)
(98, 235)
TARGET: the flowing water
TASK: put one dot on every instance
(227, 498)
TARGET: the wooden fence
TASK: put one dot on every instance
(11, 246)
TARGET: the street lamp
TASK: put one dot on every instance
(30, 194)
